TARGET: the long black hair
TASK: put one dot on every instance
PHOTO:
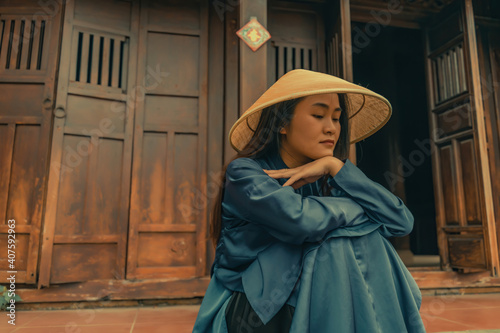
(267, 140)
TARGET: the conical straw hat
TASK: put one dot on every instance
(368, 110)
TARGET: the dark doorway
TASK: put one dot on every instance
(390, 61)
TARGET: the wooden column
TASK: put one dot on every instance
(489, 217)
(345, 17)
(253, 65)
(231, 76)
(215, 119)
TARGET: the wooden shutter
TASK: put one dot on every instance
(297, 36)
(465, 221)
(338, 41)
(28, 53)
(315, 37)
(167, 235)
(86, 218)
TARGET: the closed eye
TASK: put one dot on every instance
(320, 117)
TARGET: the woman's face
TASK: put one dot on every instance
(315, 120)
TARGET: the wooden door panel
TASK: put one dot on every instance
(461, 201)
(171, 111)
(26, 101)
(168, 208)
(22, 256)
(23, 173)
(15, 103)
(187, 199)
(155, 201)
(467, 251)
(179, 57)
(448, 185)
(469, 180)
(71, 215)
(454, 120)
(83, 262)
(117, 15)
(86, 218)
(89, 200)
(295, 42)
(460, 183)
(445, 29)
(95, 116)
(168, 199)
(172, 250)
(175, 16)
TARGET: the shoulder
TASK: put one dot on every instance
(245, 164)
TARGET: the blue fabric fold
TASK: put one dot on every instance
(267, 293)
(326, 255)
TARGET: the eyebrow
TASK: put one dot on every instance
(326, 106)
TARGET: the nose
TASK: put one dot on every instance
(329, 126)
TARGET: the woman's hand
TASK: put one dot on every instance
(309, 172)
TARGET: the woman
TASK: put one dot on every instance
(300, 232)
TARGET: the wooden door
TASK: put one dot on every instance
(297, 39)
(28, 60)
(310, 36)
(168, 201)
(465, 221)
(86, 218)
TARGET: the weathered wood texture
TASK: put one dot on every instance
(29, 39)
(231, 75)
(168, 210)
(486, 194)
(489, 60)
(296, 39)
(150, 289)
(253, 65)
(86, 217)
(215, 118)
(466, 234)
(104, 290)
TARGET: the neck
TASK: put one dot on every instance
(290, 160)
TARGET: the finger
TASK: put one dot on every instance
(279, 174)
(289, 182)
(284, 169)
(298, 184)
(292, 180)
(275, 171)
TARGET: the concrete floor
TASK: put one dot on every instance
(451, 313)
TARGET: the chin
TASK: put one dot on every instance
(321, 155)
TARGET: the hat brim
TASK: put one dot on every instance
(368, 111)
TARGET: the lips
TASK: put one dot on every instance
(328, 141)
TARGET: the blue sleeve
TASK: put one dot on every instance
(251, 195)
(380, 204)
